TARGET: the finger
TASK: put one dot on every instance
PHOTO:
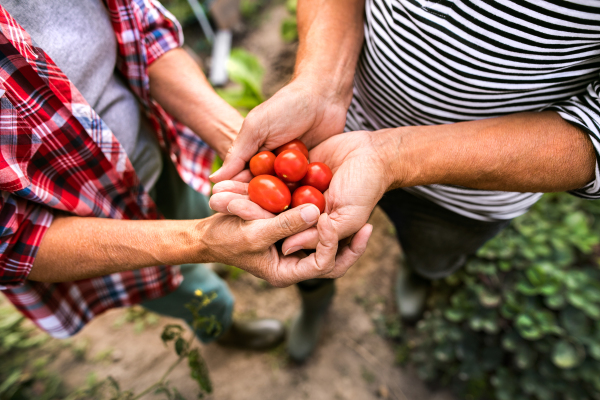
(241, 151)
(220, 201)
(307, 239)
(230, 186)
(327, 246)
(244, 176)
(248, 210)
(286, 224)
(320, 263)
(348, 255)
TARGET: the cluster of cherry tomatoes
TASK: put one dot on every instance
(286, 178)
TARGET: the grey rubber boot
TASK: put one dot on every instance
(411, 294)
(306, 327)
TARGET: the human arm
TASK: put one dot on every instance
(76, 248)
(313, 105)
(528, 152)
(178, 84)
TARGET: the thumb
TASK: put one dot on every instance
(241, 151)
(286, 224)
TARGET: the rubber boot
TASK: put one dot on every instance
(411, 294)
(258, 334)
(306, 328)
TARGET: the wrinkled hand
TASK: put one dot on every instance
(295, 111)
(360, 178)
(250, 245)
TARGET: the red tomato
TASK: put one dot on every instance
(292, 186)
(270, 193)
(263, 164)
(293, 145)
(308, 194)
(291, 165)
(318, 176)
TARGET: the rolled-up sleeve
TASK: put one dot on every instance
(583, 111)
(22, 226)
(161, 31)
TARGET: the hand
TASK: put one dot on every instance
(360, 178)
(250, 245)
(297, 111)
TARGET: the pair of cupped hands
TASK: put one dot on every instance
(340, 234)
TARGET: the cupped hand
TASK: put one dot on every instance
(250, 245)
(296, 111)
(360, 178)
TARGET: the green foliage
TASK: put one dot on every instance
(245, 70)
(140, 317)
(24, 359)
(180, 9)
(109, 388)
(522, 319)
(289, 26)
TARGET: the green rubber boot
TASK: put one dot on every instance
(411, 294)
(306, 327)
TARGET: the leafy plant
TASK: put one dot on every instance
(522, 319)
(110, 389)
(24, 359)
(289, 26)
(245, 70)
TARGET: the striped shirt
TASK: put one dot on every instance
(446, 61)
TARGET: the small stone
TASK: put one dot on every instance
(383, 392)
(117, 355)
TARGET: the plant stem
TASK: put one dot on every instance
(162, 379)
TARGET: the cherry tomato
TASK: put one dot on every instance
(318, 176)
(308, 194)
(293, 145)
(292, 186)
(263, 164)
(270, 193)
(291, 165)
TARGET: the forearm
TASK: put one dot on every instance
(179, 86)
(330, 36)
(76, 248)
(525, 152)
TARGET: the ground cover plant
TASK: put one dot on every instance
(522, 320)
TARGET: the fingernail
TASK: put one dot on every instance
(293, 250)
(228, 209)
(214, 173)
(310, 214)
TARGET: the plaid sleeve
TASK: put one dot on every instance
(161, 32)
(22, 225)
(583, 111)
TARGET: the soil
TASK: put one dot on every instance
(352, 361)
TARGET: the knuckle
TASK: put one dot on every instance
(285, 224)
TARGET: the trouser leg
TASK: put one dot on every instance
(197, 276)
(435, 241)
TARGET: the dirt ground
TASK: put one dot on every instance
(352, 360)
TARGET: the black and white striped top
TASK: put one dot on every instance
(444, 61)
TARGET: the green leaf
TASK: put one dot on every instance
(170, 332)
(565, 355)
(180, 346)
(289, 29)
(199, 371)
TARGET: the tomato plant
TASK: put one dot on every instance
(263, 164)
(293, 145)
(270, 193)
(318, 175)
(308, 194)
(291, 165)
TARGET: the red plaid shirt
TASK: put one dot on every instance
(57, 154)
